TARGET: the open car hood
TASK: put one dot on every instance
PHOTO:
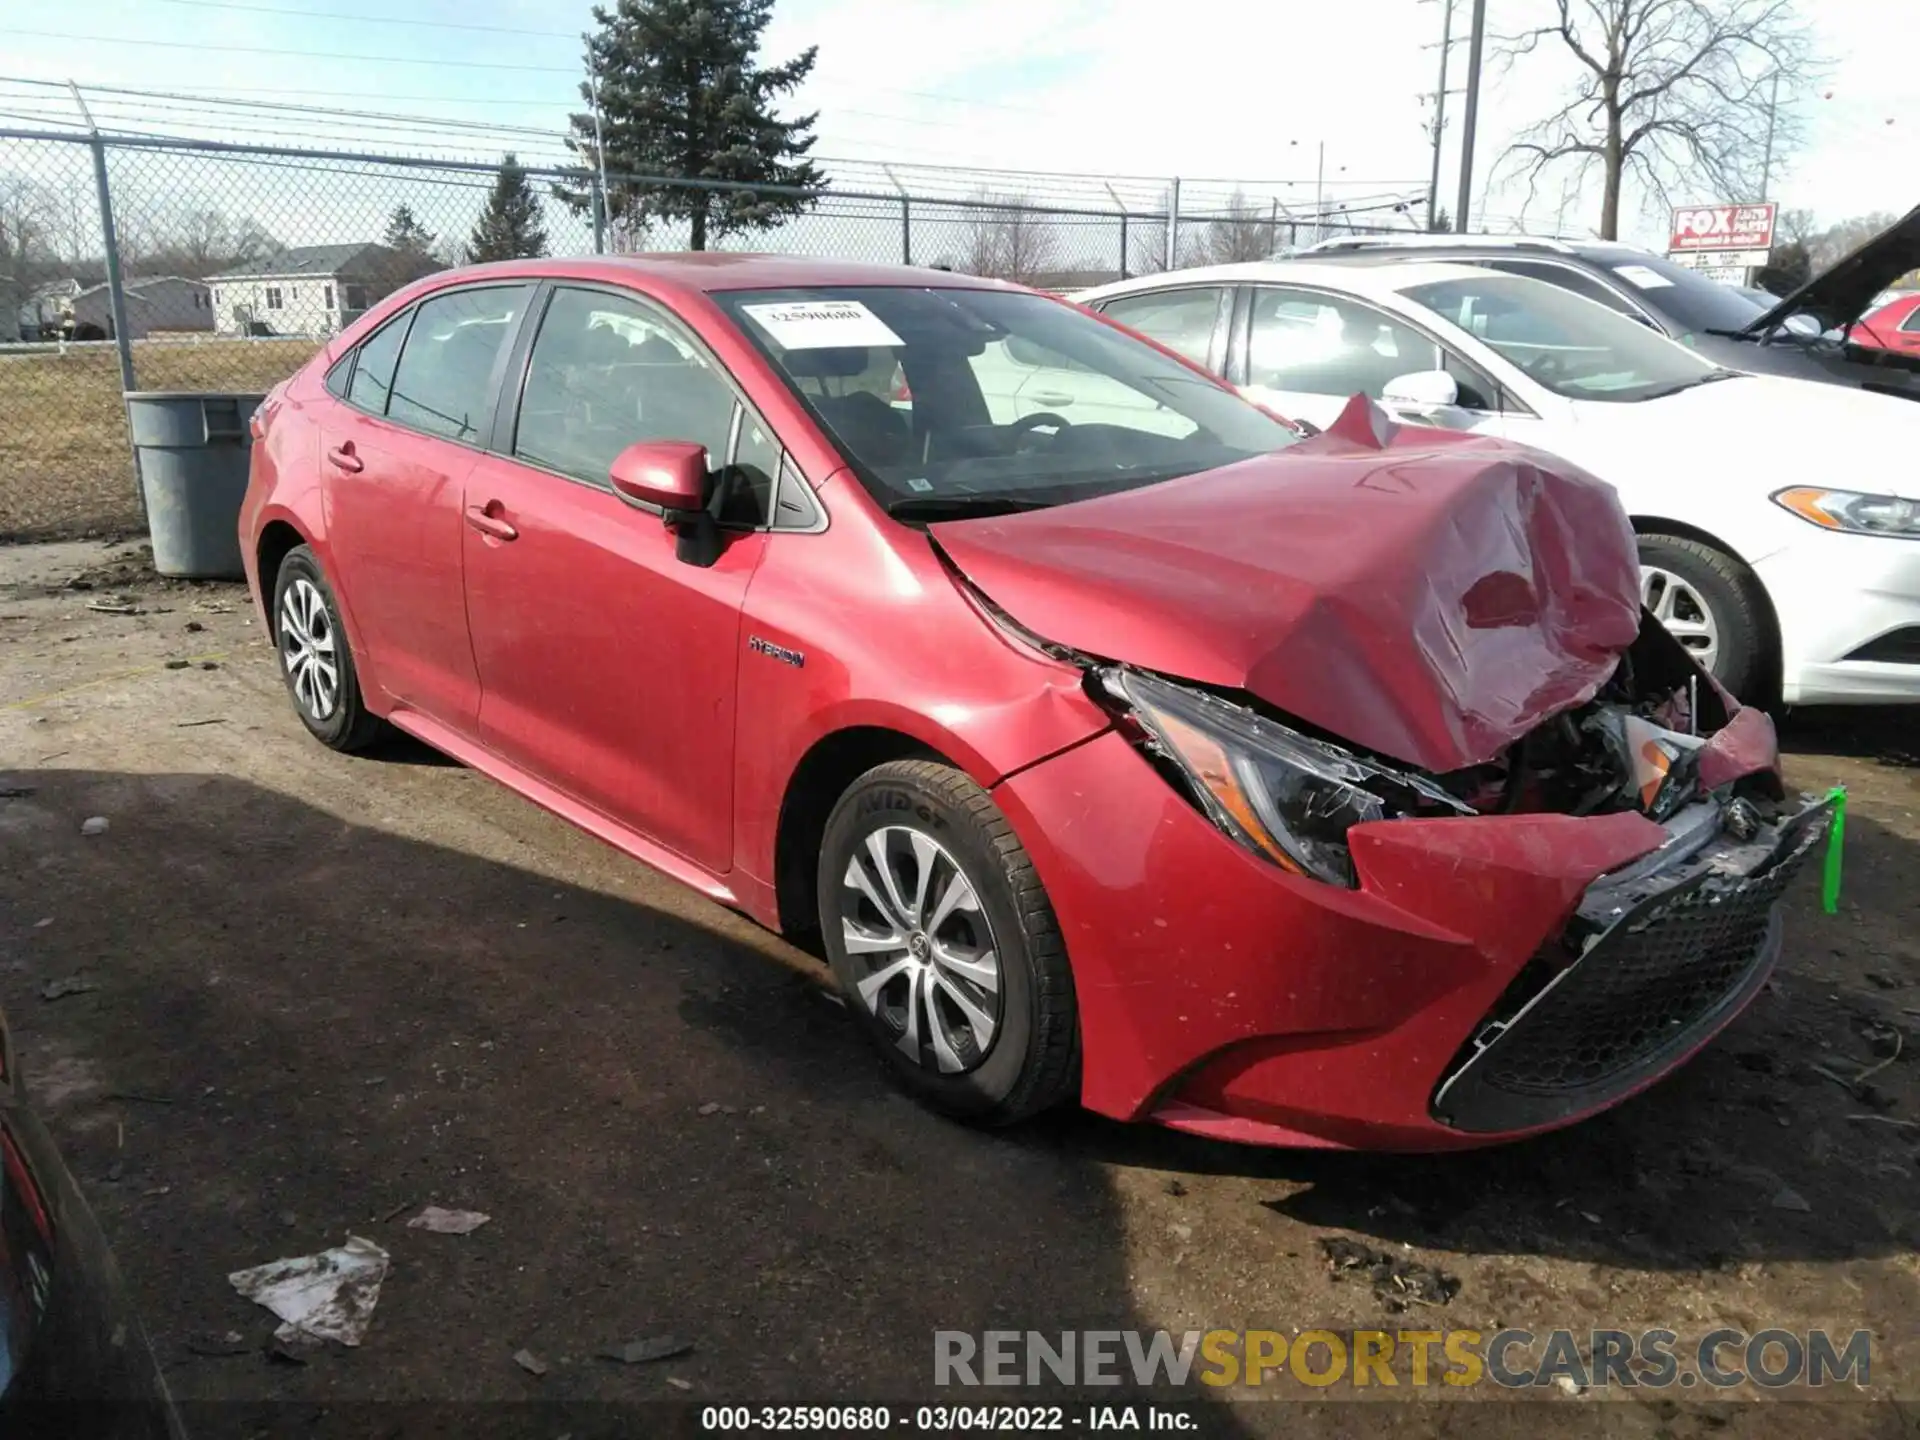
(1842, 293)
(1425, 595)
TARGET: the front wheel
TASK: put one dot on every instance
(1711, 604)
(945, 945)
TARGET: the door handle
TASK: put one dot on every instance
(487, 523)
(343, 456)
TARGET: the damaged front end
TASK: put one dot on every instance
(1655, 956)
(1657, 738)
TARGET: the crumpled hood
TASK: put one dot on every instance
(1425, 595)
(1841, 293)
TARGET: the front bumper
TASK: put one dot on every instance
(1221, 995)
(1837, 597)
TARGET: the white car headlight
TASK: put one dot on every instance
(1852, 511)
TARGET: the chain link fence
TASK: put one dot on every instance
(236, 263)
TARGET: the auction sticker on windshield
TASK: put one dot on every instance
(1640, 275)
(821, 324)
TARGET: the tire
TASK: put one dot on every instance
(315, 660)
(1717, 601)
(933, 826)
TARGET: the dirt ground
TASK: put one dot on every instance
(331, 990)
(65, 467)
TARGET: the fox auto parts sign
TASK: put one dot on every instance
(1722, 227)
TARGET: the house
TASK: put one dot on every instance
(157, 305)
(40, 314)
(310, 289)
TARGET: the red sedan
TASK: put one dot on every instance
(1116, 742)
(1893, 326)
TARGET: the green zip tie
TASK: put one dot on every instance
(1836, 840)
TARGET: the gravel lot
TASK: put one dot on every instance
(331, 990)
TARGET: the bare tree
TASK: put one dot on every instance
(1243, 231)
(1666, 91)
(24, 253)
(1004, 238)
(1838, 240)
(200, 241)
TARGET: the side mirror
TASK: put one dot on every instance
(1424, 392)
(671, 474)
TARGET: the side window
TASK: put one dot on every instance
(1477, 392)
(1912, 323)
(339, 376)
(1566, 278)
(797, 507)
(440, 385)
(1181, 320)
(1328, 345)
(606, 372)
(750, 479)
(373, 374)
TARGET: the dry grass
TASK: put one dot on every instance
(65, 466)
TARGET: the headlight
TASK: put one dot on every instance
(1849, 510)
(1283, 795)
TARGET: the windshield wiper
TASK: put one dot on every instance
(955, 507)
(1717, 373)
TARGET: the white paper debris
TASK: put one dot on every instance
(1642, 276)
(821, 324)
(94, 825)
(329, 1296)
(448, 1222)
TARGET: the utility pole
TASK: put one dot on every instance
(1320, 196)
(1440, 113)
(1474, 47)
(1766, 164)
(602, 206)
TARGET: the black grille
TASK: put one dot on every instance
(1896, 647)
(1661, 978)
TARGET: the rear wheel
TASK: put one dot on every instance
(945, 945)
(1711, 604)
(315, 659)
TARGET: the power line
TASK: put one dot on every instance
(364, 19)
(203, 47)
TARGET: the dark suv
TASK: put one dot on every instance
(1804, 336)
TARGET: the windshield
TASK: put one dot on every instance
(1570, 345)
(959, 400)
(1689, 300)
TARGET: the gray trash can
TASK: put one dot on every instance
(194, 450)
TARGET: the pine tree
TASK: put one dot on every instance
(681, 97)
(407, 235)
(509, 228)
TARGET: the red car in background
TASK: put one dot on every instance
(1116, 742)
(1892, 326)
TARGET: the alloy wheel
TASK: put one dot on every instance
(307, 649)
(912, 918)
(1679, 606)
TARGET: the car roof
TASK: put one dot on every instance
(1358, 280)
(712, 270)
(1344, 246)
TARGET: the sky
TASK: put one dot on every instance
(1285, 96)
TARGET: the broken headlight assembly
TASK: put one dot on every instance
(1853, 512)
(1285, 796)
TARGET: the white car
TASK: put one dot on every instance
(1779, 519)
